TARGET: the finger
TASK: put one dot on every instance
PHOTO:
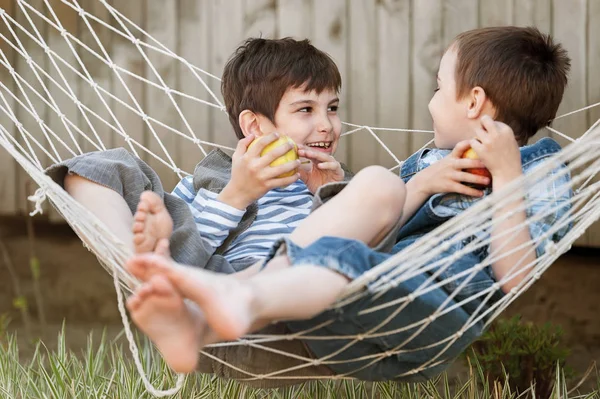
(243, 144)
(274, 171)
(481, 135)
(466, 177)
(488, 124)
(276, 153)
(477, 146)
(459, 188)
(461, 147)
(332, 165)
(263, 142)
(283, 181)
(465, 163)
(316, 155)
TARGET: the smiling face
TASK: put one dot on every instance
(309, 118)
(451, 122)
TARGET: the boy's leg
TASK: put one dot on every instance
(234, 307)
(105, 203)
(365, 210)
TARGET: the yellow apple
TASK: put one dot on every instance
(291, 155)
(471, 154)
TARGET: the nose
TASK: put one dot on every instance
(324, 125)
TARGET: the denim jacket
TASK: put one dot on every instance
(439, 208)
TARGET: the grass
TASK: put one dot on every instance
(105, 370)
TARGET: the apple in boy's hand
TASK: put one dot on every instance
(291, 155)
(470, 154)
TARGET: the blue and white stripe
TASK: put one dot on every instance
(280, 211)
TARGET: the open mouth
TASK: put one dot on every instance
(321, 144)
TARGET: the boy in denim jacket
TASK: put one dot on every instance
(412, 328)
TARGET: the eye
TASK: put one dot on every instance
(333, 108)
(436, 89)
(305, 109)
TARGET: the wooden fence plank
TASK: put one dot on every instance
(161, 20)
(195, 41)
(331, 36)
(9, 167)
(427, 50)
(100, 73)
(295, 18)
(393, 101)
(69, 83)
(458, 16)
(37, 105)
(362, 83)
(126, 55)
(593, 90)
(260, 18)
(228, 33)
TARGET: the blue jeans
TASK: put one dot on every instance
(413, 339)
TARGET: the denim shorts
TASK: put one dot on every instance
(414, 338)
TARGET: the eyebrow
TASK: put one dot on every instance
(313, 101)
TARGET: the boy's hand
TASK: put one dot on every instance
(498, 149)
(252, 176)
(323, 168)
(448, 175)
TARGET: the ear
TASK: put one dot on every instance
(250, 123)
(478, 102)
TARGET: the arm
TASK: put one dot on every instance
(497, 147)
(445, 176)
(502, 242)
(214, 219)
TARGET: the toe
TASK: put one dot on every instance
(133, 303)
(140, 216)
(162, 248)
(138, 227)
(155, 203)
(161, 285)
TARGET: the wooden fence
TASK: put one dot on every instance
(387, 50)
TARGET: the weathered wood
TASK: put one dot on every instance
(194, 45)
(9, 167)
(124, 87)
(228, 33)
(330, 34)
(161, 23)
(362, 83)
(38, 107)
(96, 130)
(393, 101)
(295, 18)
(426, 52)
(593, 91)
(458, 16)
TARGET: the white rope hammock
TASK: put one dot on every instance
(31, 96)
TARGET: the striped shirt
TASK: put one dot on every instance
(280, 211)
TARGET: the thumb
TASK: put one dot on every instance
(461, 147)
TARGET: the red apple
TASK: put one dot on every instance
(471, 154)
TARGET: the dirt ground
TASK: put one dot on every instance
(74, 287)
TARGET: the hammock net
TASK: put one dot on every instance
(52, 108)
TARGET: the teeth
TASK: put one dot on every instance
(320, 144)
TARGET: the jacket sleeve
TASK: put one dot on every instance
(214, 219)
(548, 209)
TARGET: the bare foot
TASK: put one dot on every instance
(151, 223)
(225, 301)
(176, 330)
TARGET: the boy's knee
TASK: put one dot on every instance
(381, 188)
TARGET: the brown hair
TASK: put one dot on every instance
(523, 72)
(261, 70)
